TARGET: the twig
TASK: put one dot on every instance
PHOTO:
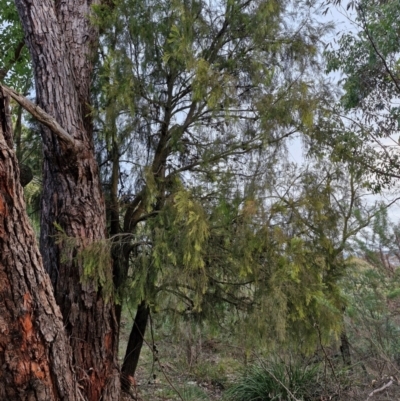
(157, 359)
(277, 380)
(378, 390)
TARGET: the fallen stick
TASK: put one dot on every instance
(378, 390)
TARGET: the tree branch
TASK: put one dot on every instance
(378, 53)
(41, 116)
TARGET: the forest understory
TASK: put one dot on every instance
(198, 364)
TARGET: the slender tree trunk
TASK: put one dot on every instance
(118, 243)
(344, 342)
(132, 216)
(135, 342)
(345, 348)
(61, 42)
(35, 355)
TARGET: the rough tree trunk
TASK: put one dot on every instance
(35, 355)
(61, 43)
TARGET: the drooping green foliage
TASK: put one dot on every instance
(195, 103)
(93, 256)
(271, 269)
(205, 83)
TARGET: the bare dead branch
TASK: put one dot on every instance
(41, 116)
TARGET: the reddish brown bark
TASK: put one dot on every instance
(34, 350)
(61, 41)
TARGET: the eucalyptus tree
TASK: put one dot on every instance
(193, 97)
(368, 57)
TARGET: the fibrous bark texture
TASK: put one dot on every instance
(61, 42)
(35, 355)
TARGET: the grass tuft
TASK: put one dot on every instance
(275, 381)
